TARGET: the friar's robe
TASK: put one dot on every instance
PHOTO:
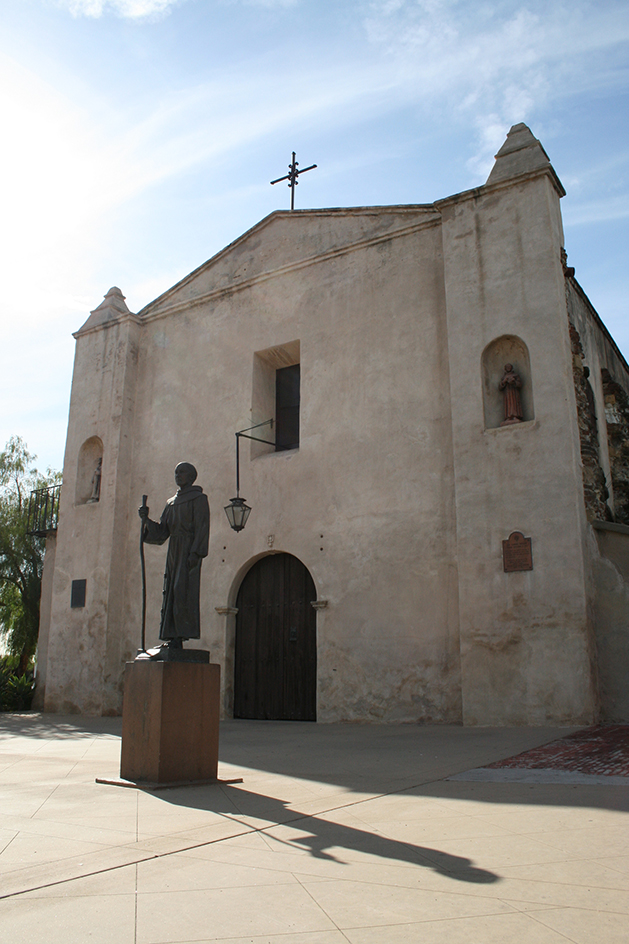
(186, 522)
(510, 385)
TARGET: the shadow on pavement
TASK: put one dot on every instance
(320, 837)
(35, 724)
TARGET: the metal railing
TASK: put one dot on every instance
(43, 511)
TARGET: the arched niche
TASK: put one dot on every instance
(89, 455)
(507, 349)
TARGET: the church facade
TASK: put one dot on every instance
(440, 508)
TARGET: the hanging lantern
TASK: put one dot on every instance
(237, 513)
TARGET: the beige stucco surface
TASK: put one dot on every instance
(365, 494)
(610, 566)
(522, 634)
(398, 498)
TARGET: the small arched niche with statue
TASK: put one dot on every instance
(89, 472)
(507, 385)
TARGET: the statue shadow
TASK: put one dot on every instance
(319, 837)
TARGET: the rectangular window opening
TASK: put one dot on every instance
(287, 395)
(276, 395)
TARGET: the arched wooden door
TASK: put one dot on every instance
(276, 647)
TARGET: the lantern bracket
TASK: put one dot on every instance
(237, 511)
(242, 434)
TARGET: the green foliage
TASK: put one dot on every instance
(16, 691)
(21, 554)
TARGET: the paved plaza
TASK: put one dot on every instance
(337, 834)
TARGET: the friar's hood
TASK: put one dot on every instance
(185, 495)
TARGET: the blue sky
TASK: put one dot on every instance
(140, 137)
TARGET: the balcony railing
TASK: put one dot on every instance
(43, 511)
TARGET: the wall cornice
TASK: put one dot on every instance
(108, 324)
(506, 184)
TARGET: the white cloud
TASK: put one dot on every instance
(53, 164)
(496, 64)
(131, 9)
(491, 133)
(605, 210)
(148, 9)
(72, 172)
(270, 4)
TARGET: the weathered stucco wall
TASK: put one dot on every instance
(611, 610)
(525, 638)
(404, 484)
(87, 646)
(366, 502)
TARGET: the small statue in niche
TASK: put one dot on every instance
(98, 473)
(510, 385)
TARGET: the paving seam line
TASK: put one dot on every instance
(250, 830)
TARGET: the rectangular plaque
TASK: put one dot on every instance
(517, 553)
(77, 596)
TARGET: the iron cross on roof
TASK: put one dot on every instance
(292, 176)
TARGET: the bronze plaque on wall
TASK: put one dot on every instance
(517, 553)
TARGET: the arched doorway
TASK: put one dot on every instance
(275, 675)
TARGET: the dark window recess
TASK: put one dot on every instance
(77, 597)
(287, 407)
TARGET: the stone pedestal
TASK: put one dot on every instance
(170, 722)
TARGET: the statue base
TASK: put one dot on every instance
(170, 720)
(166, 654)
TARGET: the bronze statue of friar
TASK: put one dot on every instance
(185, 524)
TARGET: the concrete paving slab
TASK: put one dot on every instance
(584, 927)
(529, 895)
(101, 835)
(498, 852)
(615, 863)
(191, 839)
(585, 843)
(99, 919)
(592, 873)
(523, 818)
(338, 833)
(486, 929)
(121, 881)
(48, 874)
(23, 799)
(27, 850)
(300, 937)
(358, 904)
(215, 913)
